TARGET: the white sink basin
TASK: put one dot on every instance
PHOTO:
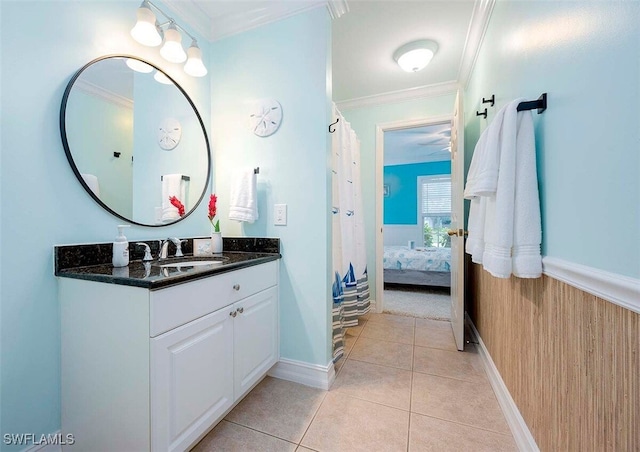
(190, 264)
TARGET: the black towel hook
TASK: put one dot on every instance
(332, 124)
(491, 100)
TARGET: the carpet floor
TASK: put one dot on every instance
(418, 302)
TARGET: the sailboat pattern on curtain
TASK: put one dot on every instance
(351, 283)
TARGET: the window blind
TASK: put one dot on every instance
(435, 195)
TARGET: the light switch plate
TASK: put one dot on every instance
(280, 214)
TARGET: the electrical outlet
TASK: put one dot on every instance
(280, 214)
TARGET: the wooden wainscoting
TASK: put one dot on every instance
(570, 360)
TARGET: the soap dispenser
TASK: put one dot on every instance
(121, 248)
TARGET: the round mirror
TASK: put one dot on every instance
(135, 140)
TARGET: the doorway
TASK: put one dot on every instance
(413, 212)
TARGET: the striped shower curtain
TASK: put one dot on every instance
(351, 285)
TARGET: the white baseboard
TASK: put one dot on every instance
(521, 434)
(314, 375)
(45, 447)
(621, 290)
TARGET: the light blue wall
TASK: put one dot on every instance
(586, 55)
(156, 102)
(93, 147)
(363, 121)
(288, 61)
(43, 44)
(401, 206)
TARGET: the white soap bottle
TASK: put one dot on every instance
(120, 248)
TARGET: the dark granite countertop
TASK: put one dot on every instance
(93, 263)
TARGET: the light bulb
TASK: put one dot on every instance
(194, 65)
(145, 31)
(139, 66)
(161, 78)
(172, 50)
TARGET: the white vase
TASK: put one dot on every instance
(216, 242)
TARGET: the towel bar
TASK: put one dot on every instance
(187, 178)
(540, 104)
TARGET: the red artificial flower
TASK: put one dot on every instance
(212, 213)
(177, 204)
(212, 207)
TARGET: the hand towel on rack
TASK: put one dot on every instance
(482, 181)
(92, 183)
(527, 225)
(172, 185)
(498, 238)
(243, 196)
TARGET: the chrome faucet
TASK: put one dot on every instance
(164, 247)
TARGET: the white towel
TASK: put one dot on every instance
(504, 218)
(243, 196)
(172, 185)
(92, 182)
(527, 227)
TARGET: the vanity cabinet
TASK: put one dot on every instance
(155, 370)
(200, 369)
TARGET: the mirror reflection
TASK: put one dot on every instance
(136, 143)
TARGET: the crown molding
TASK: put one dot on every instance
(337, 8)
(404, 95)
(482, 10)
(98, 91)
(192, 15)
(223, 26)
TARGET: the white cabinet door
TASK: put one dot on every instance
(255, 338)
(191, 380)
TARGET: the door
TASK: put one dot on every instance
(191, 380)
(457, 223)
(255, 338)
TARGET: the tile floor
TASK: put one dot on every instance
(402, 386)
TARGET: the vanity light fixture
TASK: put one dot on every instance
(415, 56)
(139, 66)
(194, 65)
(148, 32)
(161, 78)
(172, 50)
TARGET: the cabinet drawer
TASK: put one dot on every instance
(175, 306)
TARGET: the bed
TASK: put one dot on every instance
(419, 266)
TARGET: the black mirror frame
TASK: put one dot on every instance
(67, 150)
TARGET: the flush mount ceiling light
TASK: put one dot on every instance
(415, 56)
(147, 31)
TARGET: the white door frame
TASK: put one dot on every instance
(380, 130)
